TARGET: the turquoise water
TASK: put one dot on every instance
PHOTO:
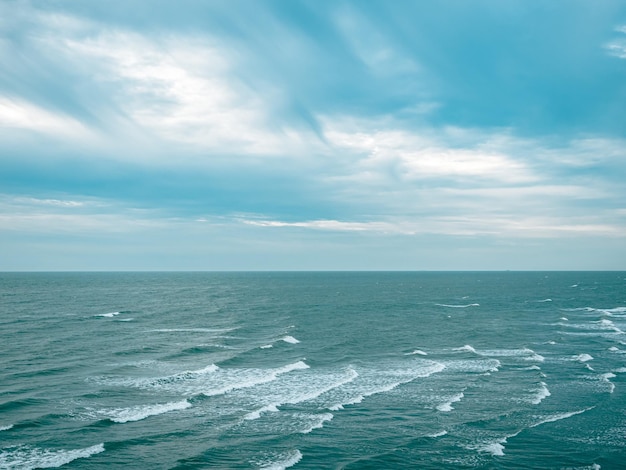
(313, 370)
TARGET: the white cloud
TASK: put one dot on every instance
(18, 114)
(617, 47)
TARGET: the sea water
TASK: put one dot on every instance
(313, 370)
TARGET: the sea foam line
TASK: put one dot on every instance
(458, 306)
(299, 398)
(27, 458)
(560, 416)
(286, 460)
(252, 382)
(432, 368)
(137, 413)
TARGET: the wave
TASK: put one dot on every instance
(255, 380)
(319, 422)
(26, 458)
(137, 413)
(494, 448)
(192, 330)
(606, 378)
(6, 428)
(437, 434)
(582, 357)
(382, 381)
(416, 351)
(283, 461)
(290, 340)
(267, 346)
(560, 416)
(107, 315)
(544, 300)
(302, 395)
(447, 406)
(466, 348)
(458, 306)
(541, 394)
(524, 353)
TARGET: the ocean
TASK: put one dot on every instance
(337, 370)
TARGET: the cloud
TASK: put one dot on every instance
(617, 47)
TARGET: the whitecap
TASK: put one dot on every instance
(137, 413)
(541, 393)
(6, 428)
(267, 346)
(319, 421)
(282, 461)
(606, 378)
(544, 300)
(27, 458)
(108, 315)
(416, 351)
(300, 395)
(290, 340)
(125, 319)
(620, 370)
(437, 434)
(494, 448)
(458, 306)
(583, 357)
(564, 319)
(447, 406)
(466, 348)
(257, 413)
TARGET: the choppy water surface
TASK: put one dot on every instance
(313, 370)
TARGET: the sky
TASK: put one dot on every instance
(312, 135)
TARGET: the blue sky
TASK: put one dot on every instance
(297, 135)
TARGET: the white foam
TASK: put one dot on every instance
(382, 381)
(620, 370)
(583, 358)
(319, 422)
(458, 306)
(606, 378)
(290, 340)
(108, 315)
(6, 428)
(574, 285)
(494, 448)
(125, 319)
(192, 330)
(564, 319)
(257, 413)
(614, 348)
(283, 461)
(541, 393)
(267, 346)
(559, 416)
(27, 458)
(300, 395)
(416, 351)
(467, 348)
(437, 434)
(137, 413)
(544, 300)
(447, 406)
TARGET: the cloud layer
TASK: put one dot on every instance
(296, 135)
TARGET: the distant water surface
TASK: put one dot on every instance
(313, 370)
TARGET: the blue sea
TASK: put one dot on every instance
(483, 370)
